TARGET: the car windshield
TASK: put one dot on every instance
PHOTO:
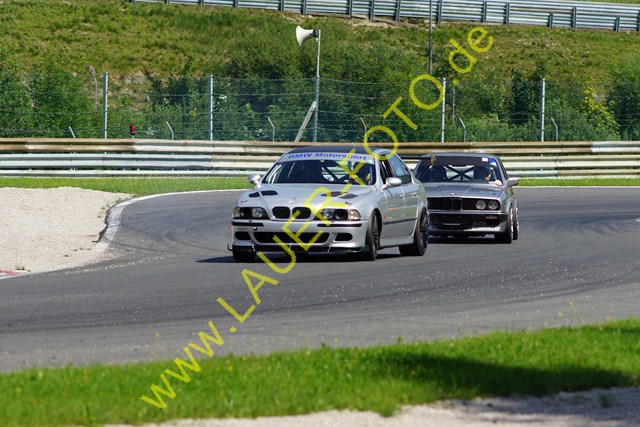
(322, 168)
(459, 169)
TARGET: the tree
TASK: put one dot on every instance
(625, 97)
(597, 114)
(15, 104)
(524, 103)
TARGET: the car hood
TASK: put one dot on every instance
(463, 190)
(297, 194)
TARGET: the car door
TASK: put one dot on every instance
(410, 191)
(392, 216)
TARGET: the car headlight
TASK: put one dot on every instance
(248, 213)
(481, 205)
(340, 214)
(259, 213)
(494, 205)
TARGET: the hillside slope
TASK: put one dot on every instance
(121, 38)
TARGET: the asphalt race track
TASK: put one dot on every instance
(577, 261)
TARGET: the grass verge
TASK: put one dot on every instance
(373, 378)
(134, 186)
(580, 182)
(146, 186)
(161, 38)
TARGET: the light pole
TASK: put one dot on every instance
(301, 36)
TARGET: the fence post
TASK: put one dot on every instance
(398, 10)
(210, 107)
(453, 104)
(171, 130)
(542, 95)
(273, 129)
(507, 14)
(464, 130)
(105, 82)
(444, 90)
(439, 13)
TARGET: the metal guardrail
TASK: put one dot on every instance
(551, 13)
(152, 157)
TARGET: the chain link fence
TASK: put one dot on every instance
(214, 108)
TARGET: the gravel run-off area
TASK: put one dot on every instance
(51, 229)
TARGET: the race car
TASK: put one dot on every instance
(332, 199)
(469, 195)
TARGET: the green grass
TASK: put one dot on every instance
(374, 378)
(133, 186)
(579, 182)
(615, 1)
(124, 38)
(146, 186)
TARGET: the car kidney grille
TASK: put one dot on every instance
(281, 212)
(304, 213)
(451, 204)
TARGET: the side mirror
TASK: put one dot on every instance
(513, 181)
(254, 178)
(393, 181)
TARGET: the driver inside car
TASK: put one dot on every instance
(364, 173)
(312, 172)
(481, 173)
(437, 174)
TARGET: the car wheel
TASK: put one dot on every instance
(507, 236)
(420, 238)
(244, 256)
(372, 240)
(516, 224)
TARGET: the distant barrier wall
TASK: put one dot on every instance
(155, 157)
(567, 14)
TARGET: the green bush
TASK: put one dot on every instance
(625, 97)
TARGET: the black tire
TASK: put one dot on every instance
(420, 238)
(516, 224)
(507, 236)
(244, 256)
(373, 239)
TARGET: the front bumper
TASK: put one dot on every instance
(467, 223)
(338, 236)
